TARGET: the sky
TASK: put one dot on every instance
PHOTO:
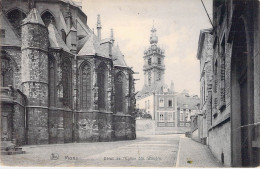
(178, 24)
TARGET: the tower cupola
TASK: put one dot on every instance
(153, 37)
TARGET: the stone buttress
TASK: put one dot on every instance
(34, 77)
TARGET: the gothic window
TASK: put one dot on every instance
(66, 82)
(120, 92)
(102, 86)
(52, 83)
(149, 61)
(48, 18)
(86, 86)
(15, 17)
(6, 72)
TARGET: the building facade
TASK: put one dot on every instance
(233, 135)
(61, 83)
(205, 55)
(187, 106)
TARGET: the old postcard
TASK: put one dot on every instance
(130, 83)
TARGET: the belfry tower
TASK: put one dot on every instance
(154, 67)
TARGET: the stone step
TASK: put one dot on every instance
(12, 152)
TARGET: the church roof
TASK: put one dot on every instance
(92, 47)
(118, 57)
(55, 39)
(33, 17)
(10, 39)
(82, 42)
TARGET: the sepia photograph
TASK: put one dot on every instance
(130, 83)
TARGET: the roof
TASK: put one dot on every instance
(73, 3)
(10, 39)
(92, 47)
(187, 102)
(55, 39)
(118, 57)
(33, 17)
(81, 43)
(155, 88)
(73, 29)
(201, 40)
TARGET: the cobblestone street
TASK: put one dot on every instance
(145, 151)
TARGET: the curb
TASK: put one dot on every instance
(178, 156)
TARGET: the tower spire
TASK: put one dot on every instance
(99, 27)
(153, 37)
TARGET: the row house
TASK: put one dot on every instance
(232, 97)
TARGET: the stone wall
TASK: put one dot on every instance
(220, 143)
(86, 127)
(68, 126)
(56, 129)
(195, 135)
(105, 128)
(19, 128)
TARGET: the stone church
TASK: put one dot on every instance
(60, 82)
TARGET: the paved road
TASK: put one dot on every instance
(145, 151)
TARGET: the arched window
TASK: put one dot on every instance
(159, 76)
(6, 72)
(15, 17)
(52, 84)
(86, 86)
(120, 92)
(149, 78)
(47, 18)
(102, 86)
(66, 82)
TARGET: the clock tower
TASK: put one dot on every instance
(154, 67)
